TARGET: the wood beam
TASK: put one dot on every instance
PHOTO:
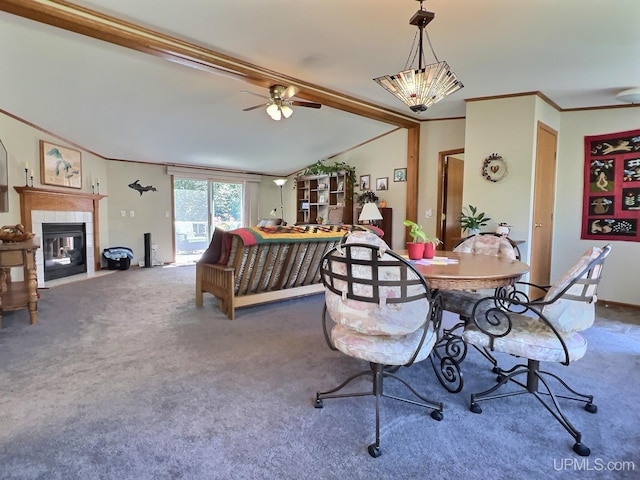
(77, 19)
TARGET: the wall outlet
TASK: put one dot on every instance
(428, 213)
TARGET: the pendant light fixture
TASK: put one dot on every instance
(421, 87)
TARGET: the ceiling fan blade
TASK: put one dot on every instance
(299, 103)
(289, 92)
(256, 94)
(253, 108)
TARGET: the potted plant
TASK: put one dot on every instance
(367, 197)
(415, 249)
(471, 220)
(430, 244)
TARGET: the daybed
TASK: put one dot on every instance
(254, 265)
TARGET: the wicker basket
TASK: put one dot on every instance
(15, 233)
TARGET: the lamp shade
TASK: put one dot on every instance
(280, 181)
(369, 213)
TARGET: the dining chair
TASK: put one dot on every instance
(461, 302)
(378, 309)
(544, 330)
(489, 243)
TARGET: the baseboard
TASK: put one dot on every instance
(607, 303)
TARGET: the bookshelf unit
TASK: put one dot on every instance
(326, 196)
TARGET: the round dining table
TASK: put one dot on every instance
(471, 272)
(462, 272)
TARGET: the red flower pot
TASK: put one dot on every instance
(415, 250)
(429, 250)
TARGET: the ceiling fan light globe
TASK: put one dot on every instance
(274, 111)
(287, 111)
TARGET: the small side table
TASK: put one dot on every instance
(17, 295)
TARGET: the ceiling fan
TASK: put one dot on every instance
(280, 102)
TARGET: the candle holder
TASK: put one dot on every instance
(98, 188)
(31, 181)
(93, 188)
(26, 177)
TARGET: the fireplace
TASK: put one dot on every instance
(39, 206)
(64, 247)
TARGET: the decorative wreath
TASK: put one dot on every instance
(494, 168)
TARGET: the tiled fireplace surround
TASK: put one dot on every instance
(38, 206)
(38, 217)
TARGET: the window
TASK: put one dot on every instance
(199, 207)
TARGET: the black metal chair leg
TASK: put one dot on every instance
(378, 373)
(378, 379)
(534, 378)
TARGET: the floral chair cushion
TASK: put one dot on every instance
(381, 318)
(383, 349)
(530, 338)
(570, 315)
(487, 245)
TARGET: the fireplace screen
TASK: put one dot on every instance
(64, 249)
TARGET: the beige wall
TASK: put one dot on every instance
(152, 211)
(378, 159)
(435, 137)
(505, 126)
(620, 278)
(22, 143)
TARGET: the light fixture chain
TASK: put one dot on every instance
(412, 53)
(421, 87)
(426, 34)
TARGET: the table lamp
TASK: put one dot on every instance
(370, 214)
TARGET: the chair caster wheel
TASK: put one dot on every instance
(496, 370)
(581, 449)
(374, 451)
(437, 415)
(591, 408)
(499, 378)
(318, 403)
(475, 408)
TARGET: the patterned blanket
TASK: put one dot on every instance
(297, 233)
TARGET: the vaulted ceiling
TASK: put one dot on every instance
(138, 100)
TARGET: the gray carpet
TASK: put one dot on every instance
(124, 378)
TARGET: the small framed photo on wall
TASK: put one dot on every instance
(365, 182)
(382, 183)
(399, 174)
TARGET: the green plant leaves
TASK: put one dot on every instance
(470, 219)
(320, 168)
(416, 231)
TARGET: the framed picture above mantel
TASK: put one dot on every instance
(60, 166)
